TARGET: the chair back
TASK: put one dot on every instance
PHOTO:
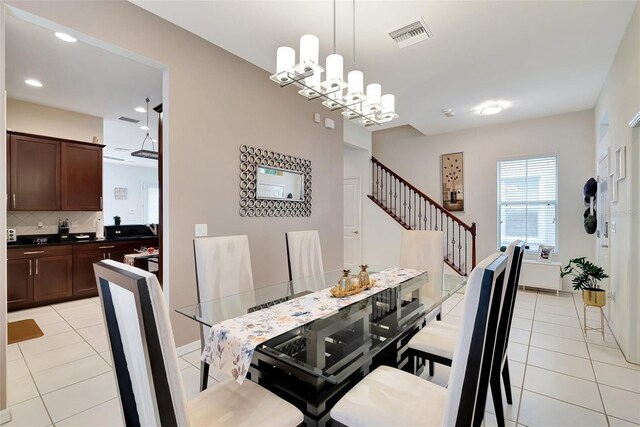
(422, 250)
(472, 360)
(515, 253)
(142, 346)
(304, 254)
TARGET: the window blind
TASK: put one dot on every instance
(528, 201)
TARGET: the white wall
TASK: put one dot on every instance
(380, 234)
(417, 158)
(620, 100)
(133, 178)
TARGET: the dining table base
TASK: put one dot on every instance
(315, 396)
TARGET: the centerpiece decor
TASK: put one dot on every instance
(352, 285)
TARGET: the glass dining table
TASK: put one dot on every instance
(314, 364)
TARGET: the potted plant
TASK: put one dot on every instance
(586, 276)
(116, 220)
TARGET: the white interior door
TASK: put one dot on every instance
(352, 223)
(602, 207)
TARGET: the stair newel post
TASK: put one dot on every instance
(473, 245)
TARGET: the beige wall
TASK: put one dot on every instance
(417, 158)
(620, 101)
(215, 102)
(27, 117)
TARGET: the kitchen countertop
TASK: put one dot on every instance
(78, 242)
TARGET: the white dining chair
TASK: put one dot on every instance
(304, 254)
(146, 365)
(436, 342)
(392, 397)
(423, 250)
(223, 268)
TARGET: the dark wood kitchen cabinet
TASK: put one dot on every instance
(53, 174)
(39, 275)
(81, 177)
(85, 255)
(34, 165)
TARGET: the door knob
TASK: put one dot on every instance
(355, 232)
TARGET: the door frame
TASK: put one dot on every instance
(359, 179)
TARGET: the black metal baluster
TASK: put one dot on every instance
(460, 245)
(466, 260)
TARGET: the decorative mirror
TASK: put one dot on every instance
(273, 184)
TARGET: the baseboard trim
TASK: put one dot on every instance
(188, 348)
(5, 416)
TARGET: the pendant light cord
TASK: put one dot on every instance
(334, 26)
(354, 34)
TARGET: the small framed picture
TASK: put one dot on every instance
(545, 253)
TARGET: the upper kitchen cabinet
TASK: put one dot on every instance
(34, 165)
(81, 177)
(49, 174)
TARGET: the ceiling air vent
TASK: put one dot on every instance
(128, 119)
(412, 33)
(106, 156)
(122, 149)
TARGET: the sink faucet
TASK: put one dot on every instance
(153, 228)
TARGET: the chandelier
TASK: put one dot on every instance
(367, 108)
(147, 154)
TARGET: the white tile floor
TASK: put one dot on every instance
(558, 377)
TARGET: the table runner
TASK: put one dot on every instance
(130, 258)
(230, 344)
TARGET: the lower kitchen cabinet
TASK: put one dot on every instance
(49, 274)
(36, 276)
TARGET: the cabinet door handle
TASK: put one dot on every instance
(33, 252)
(106, 247)
(109, 255)
(37, 264)
(14, 200)
(104, 256)
(30, 270)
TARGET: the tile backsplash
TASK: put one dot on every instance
(26, 223)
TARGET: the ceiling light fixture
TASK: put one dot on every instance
(66, 37)
(140, 109)
(33, 82)
(147, 154)
(492, 107)
(368, 108)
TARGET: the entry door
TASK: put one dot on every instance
(602, 207)
(351, 221)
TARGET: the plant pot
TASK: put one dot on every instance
(594, 297)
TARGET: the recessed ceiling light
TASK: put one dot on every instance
(33, 82)
(144, 127)
(492, 107)
(66, 37)
(140, 109)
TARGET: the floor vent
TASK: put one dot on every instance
(412, 33)
(128, 119)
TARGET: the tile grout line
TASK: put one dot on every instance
(524, 372)
(584, 333)
(88, 409)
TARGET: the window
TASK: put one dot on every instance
(151, 203)
(528, 201)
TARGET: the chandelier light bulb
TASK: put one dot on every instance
(285, 59)
(373, 93)
(335, 65)
(309, 49)
(388, 103)
(355, 79)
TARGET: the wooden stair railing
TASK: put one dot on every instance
(414, 210)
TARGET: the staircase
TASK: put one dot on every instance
(414, 210)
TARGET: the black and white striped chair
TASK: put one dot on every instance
(146, 364)
(391, 397)
(436, 342)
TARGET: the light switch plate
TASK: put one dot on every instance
(329, 123)
(316, 117)
(201, 230)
